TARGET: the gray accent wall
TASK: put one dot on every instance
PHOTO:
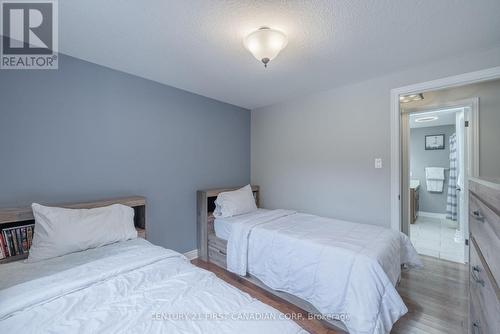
(420, 158)
(86, 132)
(315, 153)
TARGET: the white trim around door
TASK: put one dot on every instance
(453, 81)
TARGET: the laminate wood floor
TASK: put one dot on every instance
(436, 297)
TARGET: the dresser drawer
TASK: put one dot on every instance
(490, 193)
(475, 320)
(217, 248)
(485, 229)
(484, 299)
(217, 256)
(217, 243)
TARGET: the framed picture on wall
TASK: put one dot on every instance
(434, 142)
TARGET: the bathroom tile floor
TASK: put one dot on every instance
(435, 237)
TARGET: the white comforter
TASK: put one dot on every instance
(141, 289)
(348, 271)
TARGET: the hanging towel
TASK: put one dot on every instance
(451, 200)
(434, 178)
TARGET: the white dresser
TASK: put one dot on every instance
(484, 271)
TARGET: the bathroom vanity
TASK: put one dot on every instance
(414, 196)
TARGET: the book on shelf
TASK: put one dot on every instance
(19, 241)
(24, 240)
(2, 248)
(10, 243)
(16, 240)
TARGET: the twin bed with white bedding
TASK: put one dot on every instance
(127, 286)
(346, 271)
(87, 271)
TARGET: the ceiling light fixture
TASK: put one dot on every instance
(265, 44)
(410, 98)
(426, 119)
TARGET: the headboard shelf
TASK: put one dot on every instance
(10, 215)
(14, 258)
(217, 191)
(16, 217)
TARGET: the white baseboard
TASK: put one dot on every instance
(432, 215)
(191, 255)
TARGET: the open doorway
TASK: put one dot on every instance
(484, 84)
(439, 154)
(479, 102)
(438, 160)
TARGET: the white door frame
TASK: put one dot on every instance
(453, 81)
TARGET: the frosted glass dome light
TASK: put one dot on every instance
(265, 44)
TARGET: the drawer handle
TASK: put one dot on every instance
(475, 277)
(477, 214)
(219, 251)
(476, 328)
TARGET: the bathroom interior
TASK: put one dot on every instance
(436, 150)
(450, 135)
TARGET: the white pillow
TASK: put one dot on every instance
(237, 202)
(60, 231)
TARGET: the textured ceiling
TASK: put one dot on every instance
(196, 45)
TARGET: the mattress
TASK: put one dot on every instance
(129, 287)
(347, 271)
(22, 271)
(223, 226)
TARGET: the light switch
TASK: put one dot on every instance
(378, 163)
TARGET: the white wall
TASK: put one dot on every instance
(316, 153)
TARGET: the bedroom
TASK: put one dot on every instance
(175, 103)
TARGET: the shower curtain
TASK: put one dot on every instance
(451, 201)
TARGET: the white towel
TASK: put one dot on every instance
(434, 173)
(435, 185)
(434, 179)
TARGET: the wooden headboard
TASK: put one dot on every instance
(12, 217)
(205, 208)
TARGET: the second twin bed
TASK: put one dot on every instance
(347, 271)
